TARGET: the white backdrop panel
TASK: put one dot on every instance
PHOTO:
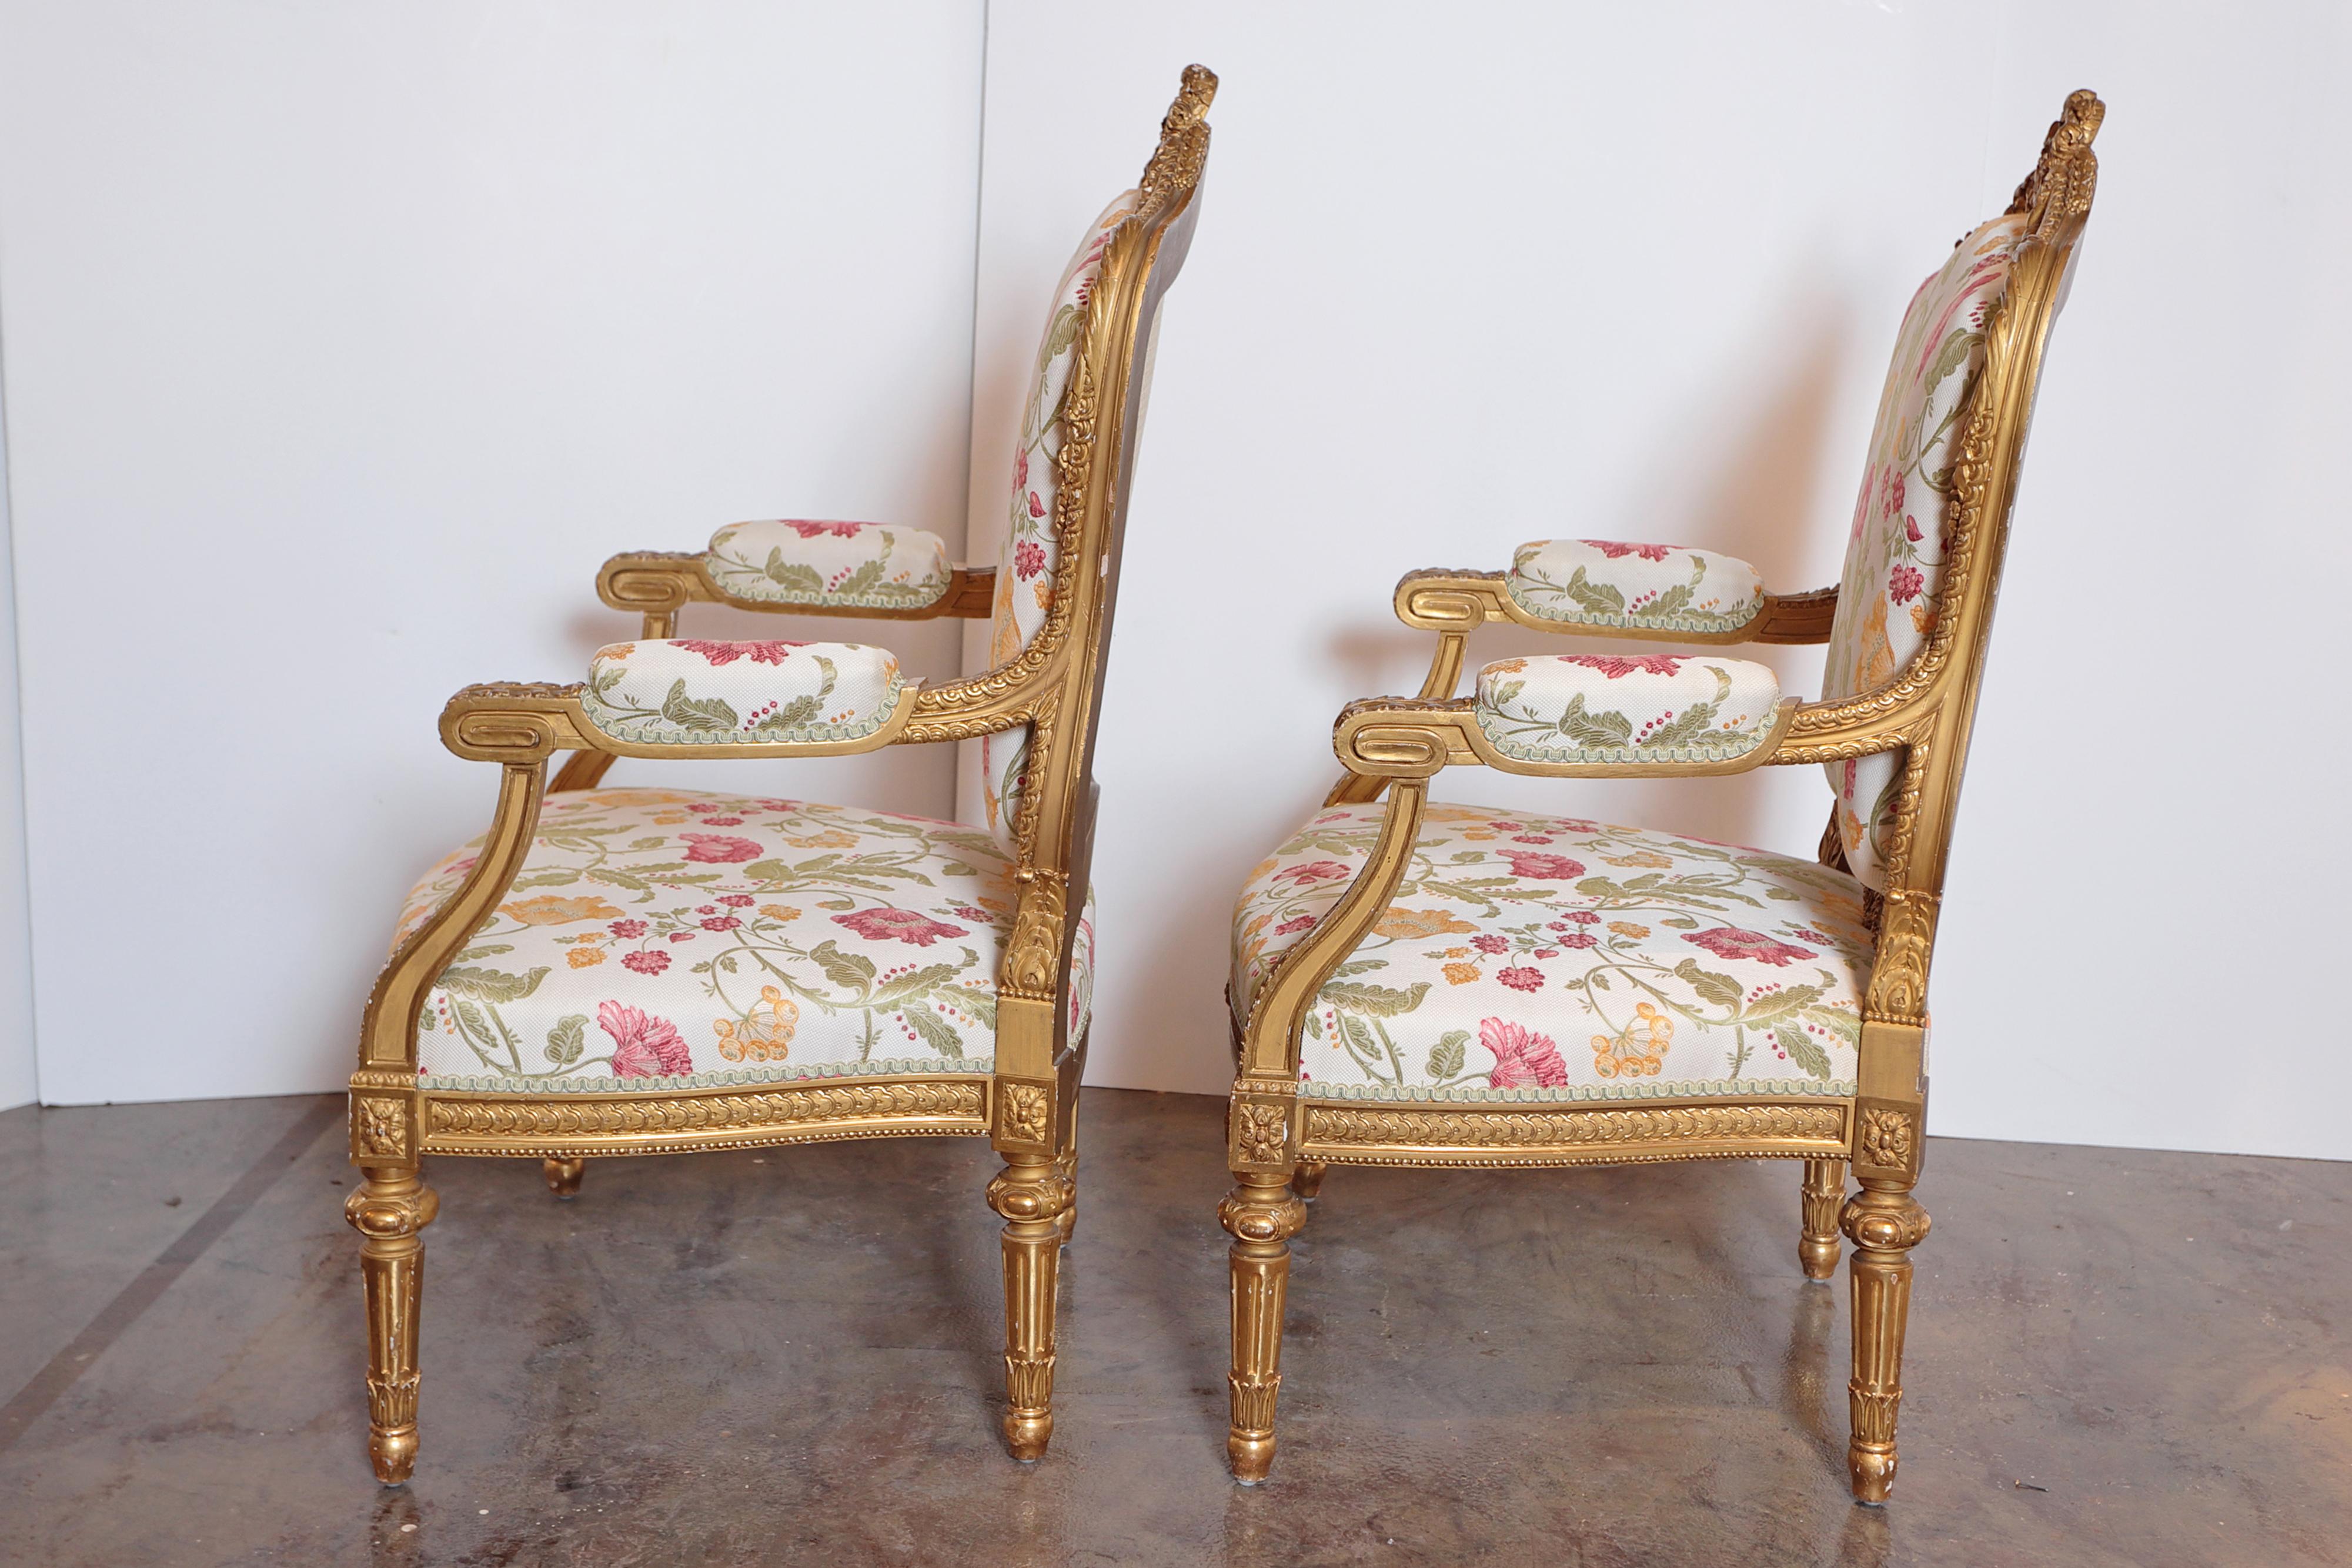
(1472, 275)
(343, 342)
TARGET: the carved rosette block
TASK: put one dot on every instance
(388, 1210)
(1260, 1136)
(1820, 1198)
(1024, 1110)
(1032, 1194)
(1887, 1138)
(1884, 1226)
(1262, 1215)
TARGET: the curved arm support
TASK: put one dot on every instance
(528, 723)
(388, 1035)
(663, 582)
(1399, 737)
(1270, 1038)
(1459, 602)
(1438, 686)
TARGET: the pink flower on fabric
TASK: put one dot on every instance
(1894, 498)
(768, 653)
(1488, 942)
(719, 849)
(723, 822)
(736, 900)
(1904, 583)
(681, 935)
(643, 1045)
(818, 530)
(1579, 939)
(720, 922)
(1911, 529)
(1313, 870)
(625, 929)
(1616, 551)
(1301, 924)
(1730, 942)
(1532, 839)
(1028, 560)
(1585, 917)
(1036, 506)
(645, 963)
(1523, 1059)
(1531, 863)
(1614, 665)
(1520, 978)
(898, 926)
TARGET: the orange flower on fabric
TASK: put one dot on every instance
(1460, 974)
(584, 957)
(549, 909)
(1420, 925)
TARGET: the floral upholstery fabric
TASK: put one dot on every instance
(1660, 588)
(1657, 707)
(1529, 957)
(1891, 590)
(1025, 577)
(859, 566)
(685, 691)
(671, 938)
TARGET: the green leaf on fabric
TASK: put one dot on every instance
(1594, 728)
(935, 1031)
(915, 982)
(798, 576)
(1803, 1051)
(1720, 989)
(1062, 333)
(1379, 1002)
(490, 984)
(1847, 1026)
(552, 876)
(1358, 966)
(1787, 999)
(1447, 1056)
(1599, 597)
(470, 1018)
(792, 715)
(697, 713)
(487, 950)
(1359, 1037)
(981, 1004)
(852, 970)
(865, 576)
(1505, 694)
(1314, 1026)
(568, 1039)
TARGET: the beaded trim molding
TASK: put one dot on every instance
(898, 1067)
(1743, 1088)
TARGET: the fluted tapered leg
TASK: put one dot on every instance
(1307, 1181)
(1033, 1195)
(1821, 1196)
(1884, 1222)
(390, 1210)
(563, 1177)
(1262, 1214)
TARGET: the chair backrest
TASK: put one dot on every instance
(1930, 527)
(1056, 579)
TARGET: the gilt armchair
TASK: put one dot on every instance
(1451, 985)
(658, 971)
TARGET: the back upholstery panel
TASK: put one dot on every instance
(1892, 589)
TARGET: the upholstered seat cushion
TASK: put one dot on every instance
(1629, 708)
(687, 691)
(1535, 958)
(669, 938)
(860, 566)
(1658, 588)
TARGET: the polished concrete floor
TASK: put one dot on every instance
(791, 1356)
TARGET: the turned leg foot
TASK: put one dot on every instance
(1307, 1181)
(1820, 1197)
(1262, 1215)
(390, 1211)
(1884, 1223)
(563, 1177)
(1032, 1194)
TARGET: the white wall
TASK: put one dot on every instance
(19, 1072)
(343, 342)
(1471, 275)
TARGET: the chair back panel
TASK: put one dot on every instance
(1026, 572)
(1892, 589)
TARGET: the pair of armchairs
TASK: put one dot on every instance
(648, 971)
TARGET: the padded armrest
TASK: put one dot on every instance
(862, 566)
(1658, 588)
(1606, 708)
(685, 691)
